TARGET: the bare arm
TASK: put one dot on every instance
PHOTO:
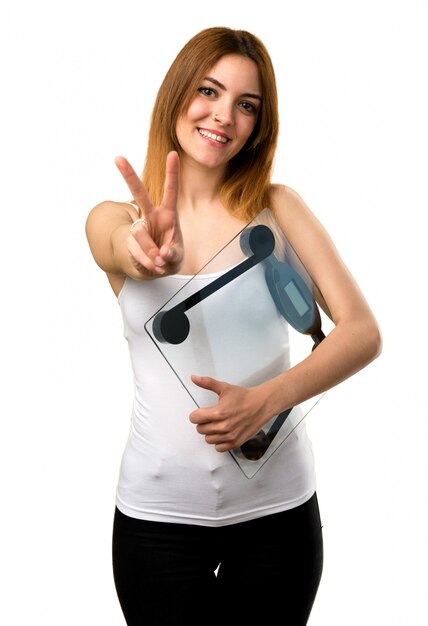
(355, 340)
(353, 343)
(107, 230)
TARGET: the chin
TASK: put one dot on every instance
(209, 161)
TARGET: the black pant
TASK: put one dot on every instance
(269, 569)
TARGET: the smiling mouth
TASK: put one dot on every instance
(213, 136)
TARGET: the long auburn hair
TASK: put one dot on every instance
(245, 190)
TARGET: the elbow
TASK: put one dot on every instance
(373, 341)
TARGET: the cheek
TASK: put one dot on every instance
(247, 128)
(198, 109)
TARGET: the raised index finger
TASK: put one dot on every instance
(134, 183)
(172, 175)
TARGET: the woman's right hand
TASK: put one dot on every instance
(155, 245)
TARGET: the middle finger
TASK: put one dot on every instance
(134, 183)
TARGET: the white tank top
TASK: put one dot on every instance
(168, 471)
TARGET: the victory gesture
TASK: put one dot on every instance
(155, 242)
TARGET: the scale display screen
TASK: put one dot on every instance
(296, 298)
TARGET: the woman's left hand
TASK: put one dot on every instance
(239, 414)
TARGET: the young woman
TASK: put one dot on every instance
(192, 534)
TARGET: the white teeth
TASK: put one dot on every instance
(218, 138)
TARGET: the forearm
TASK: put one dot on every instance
(107, 229)
(346, 350)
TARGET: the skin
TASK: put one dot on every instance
(191, 225)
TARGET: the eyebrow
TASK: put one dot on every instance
(221, 86)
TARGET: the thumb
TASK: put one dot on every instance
(209, 383)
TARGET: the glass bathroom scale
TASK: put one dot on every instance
(249, 314)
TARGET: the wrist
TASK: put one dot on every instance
(274, 396)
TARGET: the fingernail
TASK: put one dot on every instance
(170, 254)
(159, 261)
(159, 270)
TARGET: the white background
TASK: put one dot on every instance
(78, 81)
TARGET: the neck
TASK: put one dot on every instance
(199, 186)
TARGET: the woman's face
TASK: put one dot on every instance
(223, 113)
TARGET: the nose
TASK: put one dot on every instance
(224, 115)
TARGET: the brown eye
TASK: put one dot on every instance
(249, 107)
(207, 91)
